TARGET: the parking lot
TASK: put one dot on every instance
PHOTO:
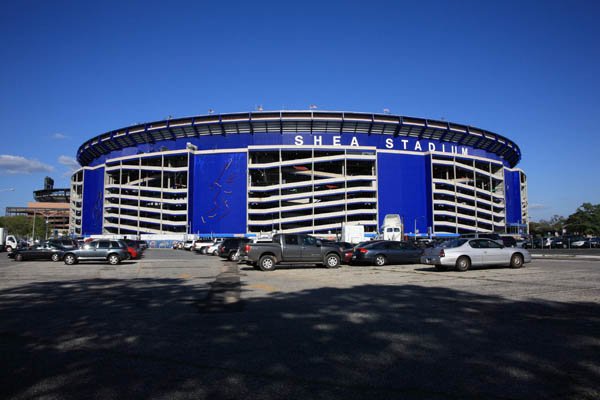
(179, 325)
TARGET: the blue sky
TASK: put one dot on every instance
(527, 70)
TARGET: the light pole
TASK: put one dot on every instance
(416, 218)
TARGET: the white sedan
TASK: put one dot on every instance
(461, 254)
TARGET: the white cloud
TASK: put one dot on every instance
(69, 162)
(59, 136)
(14, 165)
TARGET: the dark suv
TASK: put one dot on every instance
(113, 251)
(230, 248)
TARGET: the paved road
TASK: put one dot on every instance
(176, 325)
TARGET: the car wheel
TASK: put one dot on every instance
(8, 249)
(19, 257)
(203, 250)
(234, 256)
(70, 259)
(113, 259)
(215, 252)
(267, 263)
(516, 261)
(55, 257)
(380, 260)
(463, 263)
(440, 268)
(332, 261)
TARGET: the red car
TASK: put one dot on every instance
(133, 254)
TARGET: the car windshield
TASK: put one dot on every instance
(453, 243)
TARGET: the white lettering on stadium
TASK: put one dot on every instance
(389, 144)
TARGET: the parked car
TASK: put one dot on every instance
(200, 246)
(586, 243)
(187, 245)
(462, 253)
(214, 249)
(66, 243)
(387, 252)
(44, 251)
(508, 241)
(292, 249)
(483, 235)
(113, 251)
(230, 248)
(347, 250)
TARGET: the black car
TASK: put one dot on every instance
(508, 241)
(230, 249)
(387, 252)
(66, 243)
(44, 251)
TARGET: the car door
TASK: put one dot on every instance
(475, 250)
(43, 252)
(88, 251)
(293, 248)
(311, 249)
(495, 253)
(102, 250)
(410, 253)
(393, 252)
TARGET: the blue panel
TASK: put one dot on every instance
(93, 200)
(218, 194)
(405, 188)
(512, 184)
(384, 142)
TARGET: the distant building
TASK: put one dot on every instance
(51, 204)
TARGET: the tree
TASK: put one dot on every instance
(22, 226)
(585, 220)
(545, 227)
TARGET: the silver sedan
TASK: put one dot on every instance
(461, 254)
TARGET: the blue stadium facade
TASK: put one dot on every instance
(297, 171)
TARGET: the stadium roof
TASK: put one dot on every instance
(301, 121)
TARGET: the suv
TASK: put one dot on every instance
(113, 251)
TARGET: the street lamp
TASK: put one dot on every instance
(416, 218)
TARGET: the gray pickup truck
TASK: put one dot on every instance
(292, 249)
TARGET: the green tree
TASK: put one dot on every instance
(585, 220)
(22, 226)
(544, 227)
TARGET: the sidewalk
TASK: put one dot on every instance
(562, 254)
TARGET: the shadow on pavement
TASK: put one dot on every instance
(146, 338)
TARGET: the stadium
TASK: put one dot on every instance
(245, 174)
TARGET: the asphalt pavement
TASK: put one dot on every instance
(176, 325)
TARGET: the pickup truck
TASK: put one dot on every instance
(292, 249)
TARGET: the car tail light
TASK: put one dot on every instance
(247, 248)
(222, 249)
(442, 254)
(362, 250)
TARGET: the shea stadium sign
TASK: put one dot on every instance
(405, 144)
